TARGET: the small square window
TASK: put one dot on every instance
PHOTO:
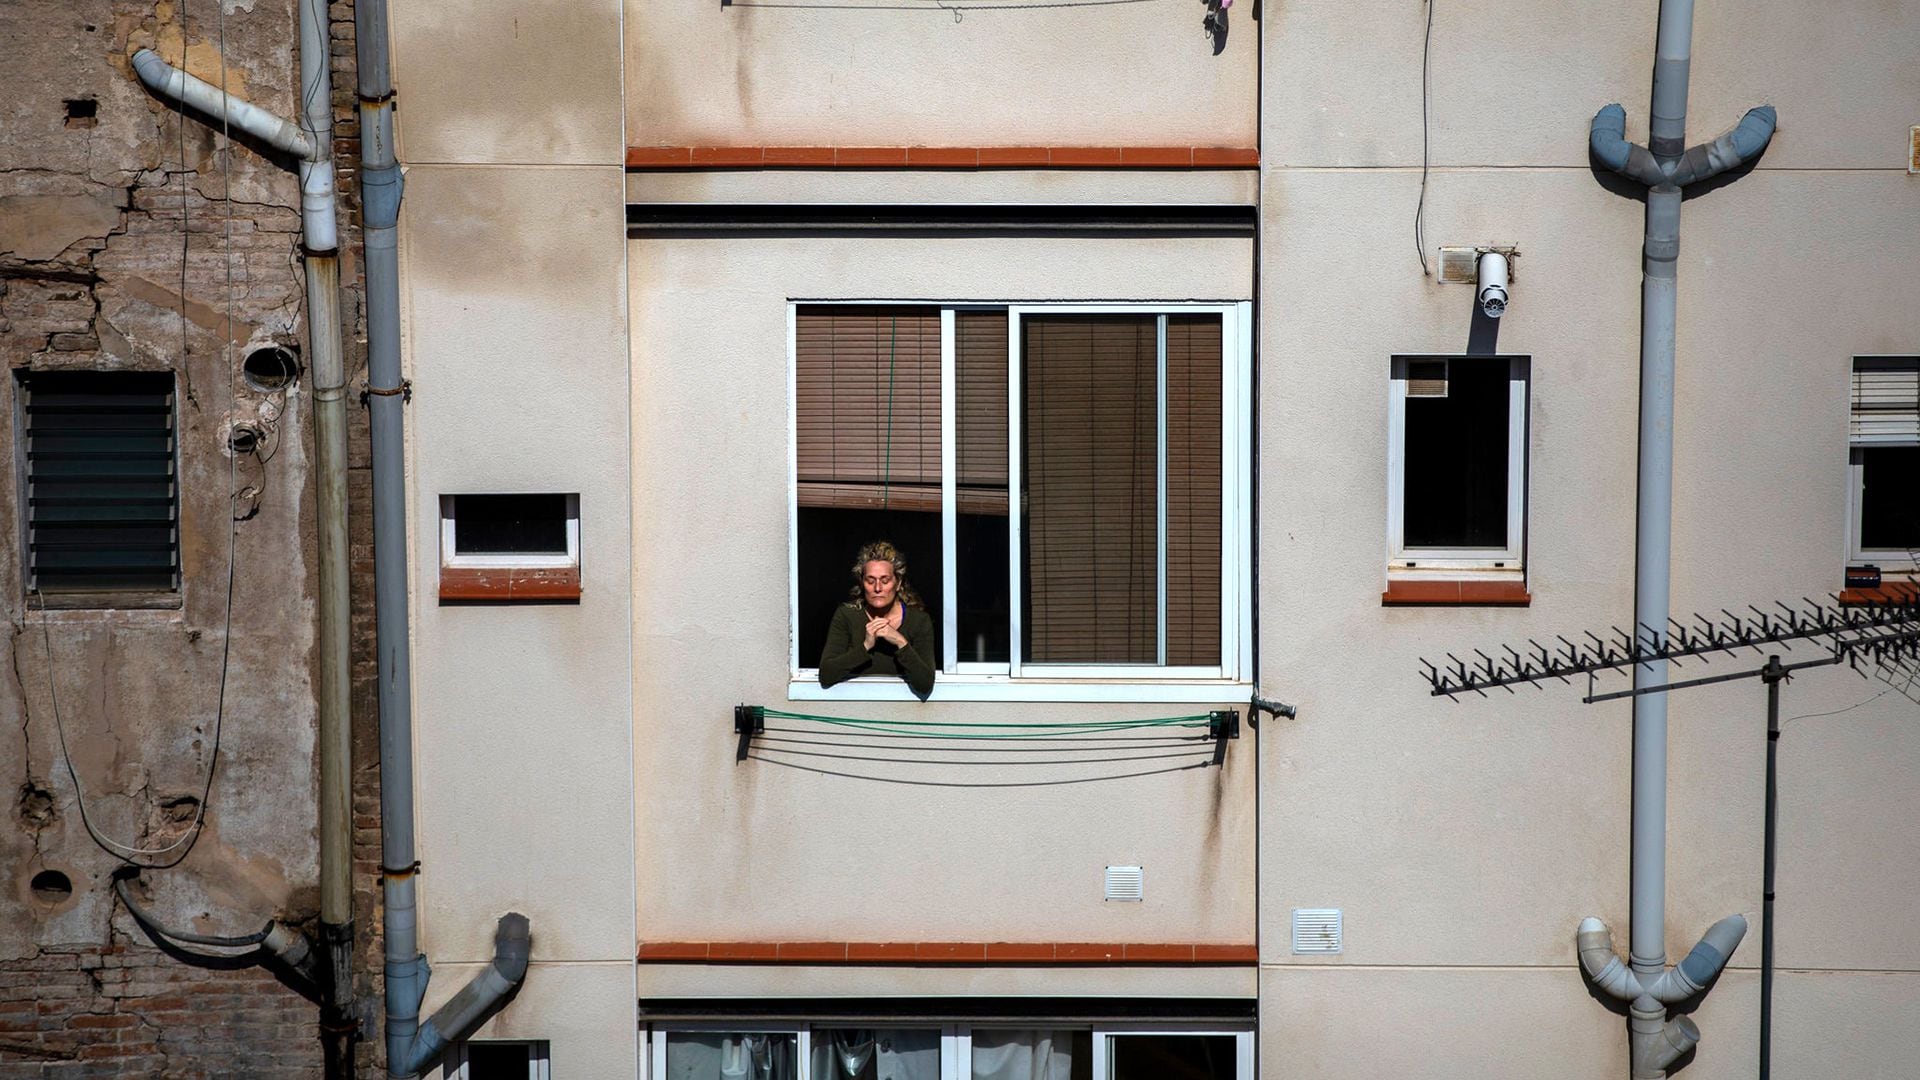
(510, 547)
(1457, 463)
(1883, 442)
(99, 483)
(494, 1059)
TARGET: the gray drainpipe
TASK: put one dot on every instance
(1666, 167)
(411, 1046)
(310, 142)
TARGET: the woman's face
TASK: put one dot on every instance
(879, 584)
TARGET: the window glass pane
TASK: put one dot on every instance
(869, 1054)
(722, 1056)
(980, 457)
(101, 498)
(510, 524)
(1454, 487)
(867, 386)
(499, 1061)
(1890, 497)
(1090, 465)
(1173, 1057)
(1193, 489)
(1032, 1055)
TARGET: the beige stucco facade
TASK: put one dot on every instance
(578, 762)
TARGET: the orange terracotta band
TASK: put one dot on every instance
(940, 952)
(942, 157)
(1455, 594)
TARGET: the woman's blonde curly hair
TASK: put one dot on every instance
(883, 551)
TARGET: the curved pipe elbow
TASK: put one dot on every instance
(1607, 139)
(512, 946)
(1703, 964)
(1733, 148)
(1602, 964)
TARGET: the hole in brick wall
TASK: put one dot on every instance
(82, 112)
(51, 887)
(270, 368)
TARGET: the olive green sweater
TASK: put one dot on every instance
(844, 659)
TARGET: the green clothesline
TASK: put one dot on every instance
(958, 730)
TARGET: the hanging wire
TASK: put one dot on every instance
(185, 843)
(939, 729)
(1426, 94)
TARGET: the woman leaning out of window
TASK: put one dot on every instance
(883, 628)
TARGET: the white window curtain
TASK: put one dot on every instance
(1022, 1055)
(870, 1054)
(717, 1056)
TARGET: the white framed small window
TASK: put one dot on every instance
(1457, 464)
(1069, 483)
(1883, 463)
(498, 1059)
(520, 531)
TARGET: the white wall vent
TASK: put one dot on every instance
(1127, 883)
(1316, 930)
(1459, 265)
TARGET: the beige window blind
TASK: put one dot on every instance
(867, 384)
(1193, 489)
(1886, 400)
(980, 411)
(1090, 466)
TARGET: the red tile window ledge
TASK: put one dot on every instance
(942, 157)
(1888, 592)
(993, 953)
(509, 584)
(1454, 592)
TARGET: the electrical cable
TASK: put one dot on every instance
(1837, 712)
(187, 840)
(1426, 94)
(146, 919)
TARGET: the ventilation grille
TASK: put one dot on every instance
(1316, 930)
(1126, 883)
(1913, 151)
(101, 501)
(1427, 378)
(1459, 265)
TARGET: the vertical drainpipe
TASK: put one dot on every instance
(1666, 166)
(380, 189)
(321, 240)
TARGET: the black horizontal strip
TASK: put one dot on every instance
(669, 219)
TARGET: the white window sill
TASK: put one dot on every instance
(1455, 570)
(805, 686)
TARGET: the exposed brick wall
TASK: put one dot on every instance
(115, 1011)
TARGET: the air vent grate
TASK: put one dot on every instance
(1316, 930)
(1126, 883)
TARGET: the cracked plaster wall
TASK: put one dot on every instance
(132, 240)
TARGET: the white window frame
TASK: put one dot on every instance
(1103, 1049)
(1501, 562)
(450, 555)
(956, 1041)
(539, 1068)
(1857, 487)
(1017, 681)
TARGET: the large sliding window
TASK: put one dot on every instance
(821, 1051)
(1067, 483)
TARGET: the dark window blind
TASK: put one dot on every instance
(102, 501)
(867, 384)
(1193, 489)
(1090, 459)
